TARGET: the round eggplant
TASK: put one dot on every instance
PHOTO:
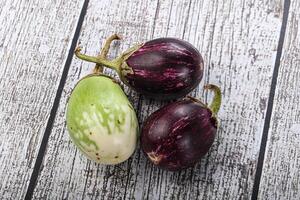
(164, 68)
(179, 134)
(100, 120)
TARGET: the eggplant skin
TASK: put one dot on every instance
(165, 68)
(101, 121)
(178, 135)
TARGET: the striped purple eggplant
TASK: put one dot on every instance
(164, 68)
(179, 134)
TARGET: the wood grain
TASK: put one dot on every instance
(230, 40)
(238, 40)
(66, 173)
(280, 175)
(34, 41)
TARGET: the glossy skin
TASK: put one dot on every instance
(101, 121)
(165, 68)
(179, 134)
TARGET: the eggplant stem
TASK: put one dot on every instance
(104, 51)
(107, 44)
(216, 102)
(112, 64)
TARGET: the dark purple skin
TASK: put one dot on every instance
(178, 135)
(165, 68)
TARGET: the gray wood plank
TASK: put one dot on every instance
(34, 40)
(281, 175)
(66, 173)
(231, 40)
(238, 41)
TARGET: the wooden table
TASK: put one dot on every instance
(251, 49)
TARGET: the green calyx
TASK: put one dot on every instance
(214, 107)
(118, 64)
(216, 102)
(114, 64)
(104, 51)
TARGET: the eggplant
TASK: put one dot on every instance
(100, 120)
(163, 68)
(179, 134)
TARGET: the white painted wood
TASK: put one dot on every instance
(239, 49)
(238, 40)
(34, 40)
(281, 170)
(66, 172)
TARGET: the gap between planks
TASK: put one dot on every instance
(42, 149)
(50, 122)
(266, 128)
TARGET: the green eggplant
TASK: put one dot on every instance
(100, 119)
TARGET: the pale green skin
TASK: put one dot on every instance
(101, 121)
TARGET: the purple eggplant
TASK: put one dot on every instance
(164, 68)
(179, 134)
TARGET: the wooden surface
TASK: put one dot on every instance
(34, 42)
(239, 41)
(281, 172)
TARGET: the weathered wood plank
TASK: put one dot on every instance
(281, 175)
(238, 40)
(34, 40)
(230, 39)
(66, 173)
